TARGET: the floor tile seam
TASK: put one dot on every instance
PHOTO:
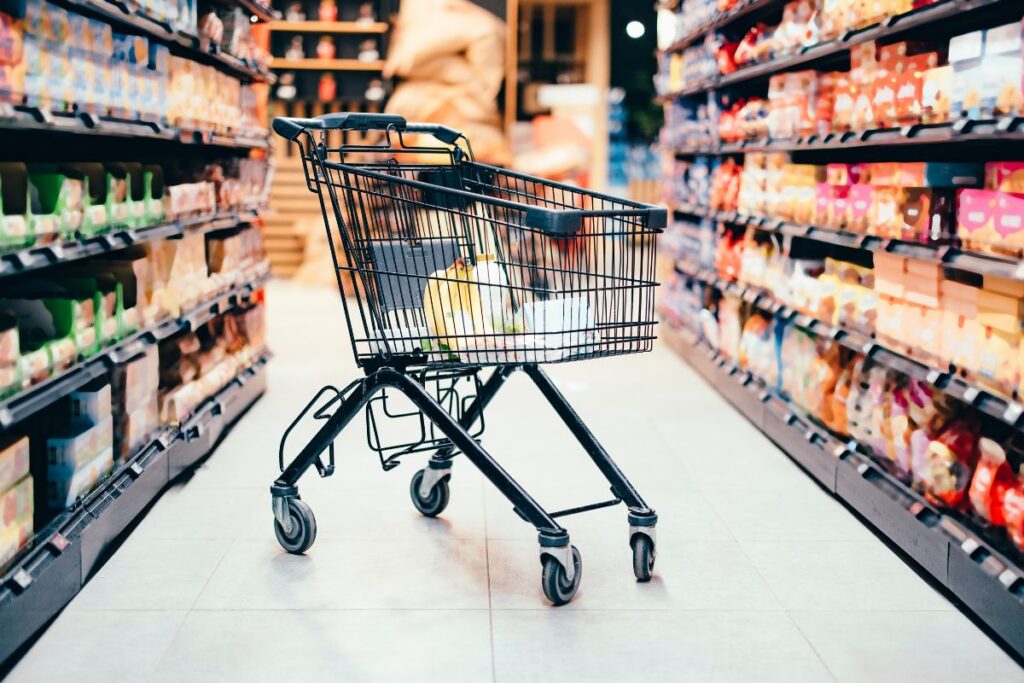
(810, 644)
(181, 624)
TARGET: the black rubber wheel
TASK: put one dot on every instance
(436, 502)
(558, 589)
(302, 528)
(643, 557)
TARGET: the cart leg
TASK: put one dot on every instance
(561, 563)
(294, 524)
(642, 519)
(438, 469)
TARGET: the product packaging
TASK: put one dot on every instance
(14, 460)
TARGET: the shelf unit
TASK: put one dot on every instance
(313, 64)
(893, 27)
(330, 27)
(124, 16)
(22, 119)
(958, 558)
(61, 556)
(982, 571)
(67, 251)
(950, 257)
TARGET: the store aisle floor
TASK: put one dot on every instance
(760, 575)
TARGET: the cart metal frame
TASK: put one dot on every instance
(388, 368)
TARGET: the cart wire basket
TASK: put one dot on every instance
(459, 266)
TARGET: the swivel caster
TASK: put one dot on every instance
(430, 497)
(643, 556)
(558, 587)
(297, 531)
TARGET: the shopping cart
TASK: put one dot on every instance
(458, 266)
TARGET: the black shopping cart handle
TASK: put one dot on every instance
(292, 128)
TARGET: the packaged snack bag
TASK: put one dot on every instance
(1013, 509)
(838, 401)
(949, 462)
(992, 478)
(900, 429)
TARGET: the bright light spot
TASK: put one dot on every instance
(635, 29)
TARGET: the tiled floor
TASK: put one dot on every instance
(760, 574)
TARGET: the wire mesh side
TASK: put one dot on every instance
(451, 271)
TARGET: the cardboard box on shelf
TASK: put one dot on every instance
(80, 446)
(17, 501)
(136, 381)
(14, 460)
(66, 483)
(13, 538)
(90, 405)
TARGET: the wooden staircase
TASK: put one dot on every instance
(292, 207)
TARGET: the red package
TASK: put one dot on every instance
(1013, 511)
(949, 462)
(992, 478)
(726, 58)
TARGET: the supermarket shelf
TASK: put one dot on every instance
(21, 405)
(44, 256)
(949, 257)
(64, 554)
(971, 568)
(720, 21)
(999, 407)
(944, 10)
(329, 26)
(959, 132)
(20, 119)
(326, 64)
(122, 16)
(263, 12)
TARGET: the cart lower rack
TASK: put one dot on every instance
(460, 266)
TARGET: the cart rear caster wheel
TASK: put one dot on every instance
(436, 502)
(301, 531)
(558, 589)
(643, 557)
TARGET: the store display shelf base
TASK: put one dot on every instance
(68, 551)
(967, 565)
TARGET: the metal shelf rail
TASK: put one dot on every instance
(34, 398)
(48, 255)
(950, 257)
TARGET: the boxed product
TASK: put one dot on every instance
(1003, 72)
(936, 94)
(966, 53)
(976, 218)
(1009, 223)
(135, 381)
(133, 429)
(961, 331)
(80, 445)
(90, 405)
(66, 483)
(1005, 176)
(14, 460)
(17, 502)
(13, 538)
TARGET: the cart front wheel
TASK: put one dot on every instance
(643, 557)
(436, 502)
(301, 531)
(558, 589)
